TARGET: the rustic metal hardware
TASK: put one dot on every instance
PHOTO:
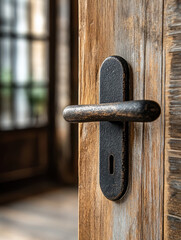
(114, 112)
(130, 111)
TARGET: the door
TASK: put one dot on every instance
(147, 35)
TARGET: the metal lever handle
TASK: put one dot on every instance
(113, 138)
(130, 111)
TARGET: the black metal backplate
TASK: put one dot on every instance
(113, 168)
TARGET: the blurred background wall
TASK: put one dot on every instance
(38, 78)
(67, 87)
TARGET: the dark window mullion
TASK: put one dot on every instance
(28, 85)
(0, 56)
(27, 36)
(30, 64)
(13, 53)
(13, 4)
(0, 79)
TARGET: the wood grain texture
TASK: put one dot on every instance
(172, 62)
(139, 28)
(133, 30)
(96, 38)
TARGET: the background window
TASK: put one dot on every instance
(24, 43)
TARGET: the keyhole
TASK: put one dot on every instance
(111, 164)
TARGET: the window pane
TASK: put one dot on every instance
(5, 61)
(39, 10)
(21, 62)
(39, 62)
(6, 121)
(6, 15)
(22, 16)
(22, 108)
(39, 105)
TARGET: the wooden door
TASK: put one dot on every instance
(146, 34)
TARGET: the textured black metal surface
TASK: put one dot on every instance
(113, 168)
(127, 111)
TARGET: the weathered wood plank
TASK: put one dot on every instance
(96, 43)
(133, 30)
(153, 142)
(172, 61)
(141, 35)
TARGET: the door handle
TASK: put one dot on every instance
(114, 112)
(129, 111)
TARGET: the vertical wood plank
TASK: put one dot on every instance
(96, 30)
(172, 62)
(138, 39)
(130, 44)
(153, 142)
